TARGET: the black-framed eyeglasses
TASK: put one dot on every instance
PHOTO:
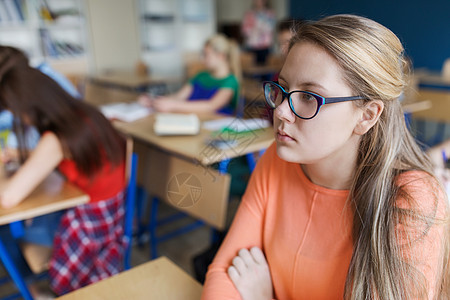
(303, 104)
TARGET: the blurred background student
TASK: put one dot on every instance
(31, 135)
(285, 30)
(214, 90)
(257, 29)
(76, 139)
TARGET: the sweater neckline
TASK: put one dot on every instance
(318, 188)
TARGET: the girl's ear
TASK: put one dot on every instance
(371, 112)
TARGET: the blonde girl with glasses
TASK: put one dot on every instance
(344, 204)
(214, 90)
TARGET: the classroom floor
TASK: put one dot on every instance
(181, 250)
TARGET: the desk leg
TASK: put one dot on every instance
(17, 229)
(223, 165)
(223, 168)
(13, 272)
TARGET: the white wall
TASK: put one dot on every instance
(232, 11)
(114, 39)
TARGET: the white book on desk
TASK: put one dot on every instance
(127, 112)
(176, 124)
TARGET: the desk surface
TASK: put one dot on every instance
(52, 195)
(196, 147)
(252, 90)
(157, 279)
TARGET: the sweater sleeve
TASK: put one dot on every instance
(246, 231)
(421, 235)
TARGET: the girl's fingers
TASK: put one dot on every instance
(258, 256)
(246, 256)
(144, 100)
(233, 274)
(239, 264)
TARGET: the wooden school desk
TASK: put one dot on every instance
(52, 195)
(273, 65)
(132, 80)
(438, 113)
(440, 105)
(260, 70)
(428, 80)
(159, 279)
(164, 160)
(124, 87)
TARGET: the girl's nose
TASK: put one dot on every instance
(284, 112)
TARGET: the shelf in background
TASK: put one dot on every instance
(45, 29)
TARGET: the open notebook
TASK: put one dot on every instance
(176, 124)
(127, 112)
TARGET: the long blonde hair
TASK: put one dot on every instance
(372, 60)
(221, 44)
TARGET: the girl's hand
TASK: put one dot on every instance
(165, 105)
(6, 202)
(9, 154)
(250, 275)
(145, 100)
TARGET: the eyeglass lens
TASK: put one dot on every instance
(303, 104)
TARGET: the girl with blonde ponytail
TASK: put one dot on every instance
(213, 90)
(344, 205)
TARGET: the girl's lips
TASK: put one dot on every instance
(284, 137)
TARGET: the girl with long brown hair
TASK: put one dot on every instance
(78, 141)
(344, 205)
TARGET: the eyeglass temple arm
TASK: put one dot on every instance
(341, 99)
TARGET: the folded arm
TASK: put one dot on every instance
(245, 232)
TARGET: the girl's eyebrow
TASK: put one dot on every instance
(306, 85)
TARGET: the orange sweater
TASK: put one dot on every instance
(303, 229)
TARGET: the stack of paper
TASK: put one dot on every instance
(127, 112)
(176, 124)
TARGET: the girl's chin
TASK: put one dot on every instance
(287, 153)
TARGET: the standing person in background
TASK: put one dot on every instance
(344, 204)
(76, 139)
(258, 28)
(214, 90)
